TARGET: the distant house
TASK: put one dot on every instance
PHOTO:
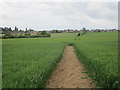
(14, 32)
(31, 32)
(70, 31)
(65, 31)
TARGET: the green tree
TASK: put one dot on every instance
(39, 33)
(84, 31)
(8, 35)
(25, 29)
(31, 30)
(43, 33)
(16, 29)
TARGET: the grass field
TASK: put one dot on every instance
(99, 53)
(28, 63)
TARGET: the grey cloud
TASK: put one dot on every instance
(46, 15)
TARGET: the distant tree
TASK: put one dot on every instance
(25, 29)
(39, 33)
(21, 36)
(99, 30)
(8, 35)
(6, 30)
(10, 29)
(43, 33)
(55, 31)
(0, 30)
(31, 30)
(84, 31)
(21, 30)
(27, 34)
(48, 34)
(16, 35)
(16, 29)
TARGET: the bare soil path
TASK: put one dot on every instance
(70, 73)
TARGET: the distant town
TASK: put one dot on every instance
(4, 30)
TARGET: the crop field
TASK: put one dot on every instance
(28, 62)
(99, 53)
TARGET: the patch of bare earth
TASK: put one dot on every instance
(70, 73)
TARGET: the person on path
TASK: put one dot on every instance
(78, 35)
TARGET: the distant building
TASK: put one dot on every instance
(31, 32)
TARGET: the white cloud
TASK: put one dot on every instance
(59, 15)
(59, 1)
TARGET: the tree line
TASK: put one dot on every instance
(18, 33)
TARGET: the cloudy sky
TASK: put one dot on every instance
(59, 15)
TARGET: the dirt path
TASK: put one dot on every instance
(70, 73)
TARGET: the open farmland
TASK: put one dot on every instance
(28, 63)
(99, 53)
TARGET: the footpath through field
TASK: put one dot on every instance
(70, 73)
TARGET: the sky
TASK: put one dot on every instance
(58, 15)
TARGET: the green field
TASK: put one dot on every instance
(99, 53)
(28, 62)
